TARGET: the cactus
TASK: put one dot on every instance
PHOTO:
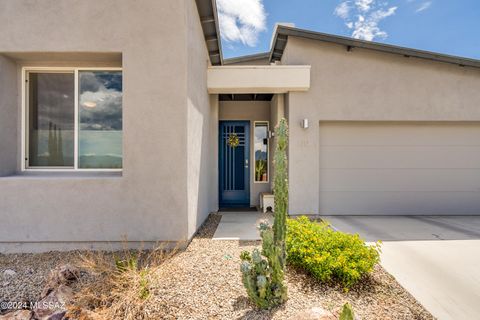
(280, 189)
(347, 312)
(263, 272)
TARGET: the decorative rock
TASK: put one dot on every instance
(314, 313)
(62, 275)
(83, 314)
(57, 316)
(17, 315)
(9, 273)
(54, 305)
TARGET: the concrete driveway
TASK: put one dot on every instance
(436, 258)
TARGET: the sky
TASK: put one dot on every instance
(444, 26)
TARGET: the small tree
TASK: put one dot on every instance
(263, 272)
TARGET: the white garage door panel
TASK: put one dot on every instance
(454, 180)
(413, 133)
(400, 157)
(399, 203)
(399, 168)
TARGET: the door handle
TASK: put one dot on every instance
(246, 163)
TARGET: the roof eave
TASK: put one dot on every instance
(207, 10)
(247, 58)
(283, 32)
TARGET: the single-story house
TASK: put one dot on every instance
(121, 121)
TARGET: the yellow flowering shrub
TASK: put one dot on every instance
(329, 255)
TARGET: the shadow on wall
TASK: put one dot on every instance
(201, 175)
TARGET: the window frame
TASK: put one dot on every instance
(25, 118)
(268, 152)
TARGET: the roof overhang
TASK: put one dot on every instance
(208, 16)
(258, 79)
(248, 58)
(207, 11)
(283, 32)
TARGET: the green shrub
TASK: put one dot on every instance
(327, 254)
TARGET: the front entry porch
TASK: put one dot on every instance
(250, 99)
(241, 225)
(245, 147)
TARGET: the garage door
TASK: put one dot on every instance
(399, 168)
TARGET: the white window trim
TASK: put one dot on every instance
(268, 153)
(24, 136)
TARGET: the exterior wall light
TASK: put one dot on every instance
(304, 123)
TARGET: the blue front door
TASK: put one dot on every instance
(234, 163)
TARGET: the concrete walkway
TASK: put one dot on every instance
(436, 258)
(240, 225)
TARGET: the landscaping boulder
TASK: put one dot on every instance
(54, 305)
(17, 315)
(62, 275)
(315, 313)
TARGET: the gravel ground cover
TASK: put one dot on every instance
(31, 273)
(203, 282)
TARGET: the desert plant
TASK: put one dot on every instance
(280, 188)
(263, 271)
(144, 284)
(130, 264)
(127, 263)
(328, 254)
(118, 285)
(260, 169)
(347, 312)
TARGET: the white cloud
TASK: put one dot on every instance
(424, 6)
(241, 20)
(343, 10)
(364, 16)
(366, 28)
(364, 5)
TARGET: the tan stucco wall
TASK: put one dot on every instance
(258, 79)
(251, 111)
(366, 85)
(153, 198)
(202, 113)
(213, 150)
(8, 108)
(277, 112)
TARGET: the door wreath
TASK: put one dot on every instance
(233, 140)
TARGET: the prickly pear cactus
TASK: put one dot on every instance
(263, 272)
